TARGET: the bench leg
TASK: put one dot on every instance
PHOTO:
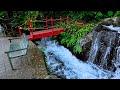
(10, 62)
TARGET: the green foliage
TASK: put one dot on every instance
(2, 14)
(117, 14)
(77, 15)
(42, 49)
(73, 35)
(21, 17)
(99, 15)
(110, 13)
(77, 48)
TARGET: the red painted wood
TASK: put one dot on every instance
(52, 24)
(67, 20)
(45, 33)
(30, 26)
(46, 22)
(19, 29)
(60, 21)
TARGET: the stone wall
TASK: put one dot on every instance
(35, 59)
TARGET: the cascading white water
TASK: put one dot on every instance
(107, 52)
(72, 67)
(61, 61)
(104, 59)
(94, 49)
(113, 28)
(117, 63)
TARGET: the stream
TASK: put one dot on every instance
(65, 65)
(105, 44)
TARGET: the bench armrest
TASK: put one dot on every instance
(14, 38)
(15, 50)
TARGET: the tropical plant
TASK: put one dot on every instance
(71, 37)
(117, 14)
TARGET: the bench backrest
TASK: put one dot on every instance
(24, 40)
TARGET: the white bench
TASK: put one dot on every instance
(17, 49)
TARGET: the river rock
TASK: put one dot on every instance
(37, 61)
(111, 21)
(117, 21)
(102, 45)
(85, 43)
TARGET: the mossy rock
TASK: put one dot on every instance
(36, 59)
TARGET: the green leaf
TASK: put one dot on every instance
(71, 41)
(99, 14)
(117, 14)
(77, 48)
(110, 13)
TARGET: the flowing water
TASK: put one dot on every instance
(64, 64)
(94, 48)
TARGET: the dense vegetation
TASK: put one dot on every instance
(71, 38)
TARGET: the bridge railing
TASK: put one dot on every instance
(51, 20)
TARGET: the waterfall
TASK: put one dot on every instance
(105, 50)
(117, 64)
(94, 49)
(105, 55)
(117, 61)
(113, 28)
(64, 64)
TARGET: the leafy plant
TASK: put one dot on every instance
(117, 14)
(110, 13)
(21, 17)
(77, 48)
(99, 15)
(71, 37)
(2, 14)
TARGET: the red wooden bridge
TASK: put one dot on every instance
(45, 32)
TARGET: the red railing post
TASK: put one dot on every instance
(60, 21)
(52, 24)
(19, 29)
(30, 26)
(46, 22)
(67, 20)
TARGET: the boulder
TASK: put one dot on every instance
(101, 46)
(37, 61)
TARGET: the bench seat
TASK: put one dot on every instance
(17, 49)
(14, 47)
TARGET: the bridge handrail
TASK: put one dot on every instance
(48, 20)
(37, 28)
(30, 24)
